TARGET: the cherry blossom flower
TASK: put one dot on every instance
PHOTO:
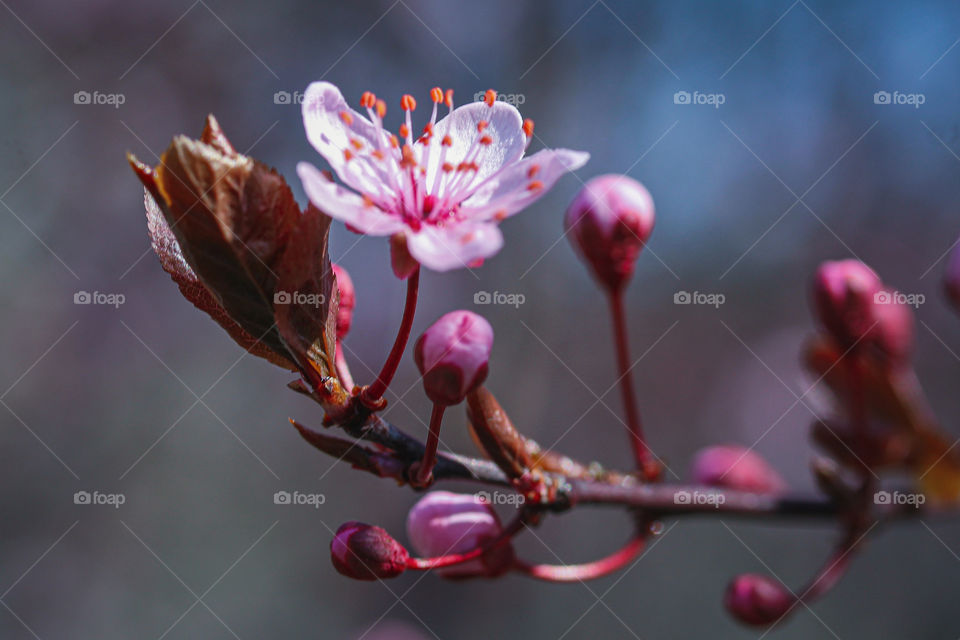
(445, 189)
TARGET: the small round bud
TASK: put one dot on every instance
(951, 279)
(444, 523)
(609, 222)
(453, 356)
(365, 552)
(735, 467)
(844, 295)
(348, 300)
(757, 600)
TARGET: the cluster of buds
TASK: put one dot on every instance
(460, 536)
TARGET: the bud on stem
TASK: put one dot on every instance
(366, 552)
(453, 356)
(447, 524)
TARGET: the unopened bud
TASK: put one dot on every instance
(757, 600)
(444, 523)
(365, 552)
(348, 300)
(844, 294)
(453, 356)
(609, 222)
(735, 467)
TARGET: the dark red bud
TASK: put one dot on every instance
(366, 552)
(757, 600)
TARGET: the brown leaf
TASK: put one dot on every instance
(306, 302)
(229, 231)
(171, 259)
(232, 217)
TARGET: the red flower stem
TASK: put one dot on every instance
(578, 572)
(641, 452)
(376, 390)
(439, 562)
(429, 459)
(829, 575)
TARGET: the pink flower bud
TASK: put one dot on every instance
(844, 294)
(609, 222)
(894, 330)
(757, 600)
(951, 280)
(453, 356)
(444, 523)
(735, 467)
(348, 300)
(365, 552)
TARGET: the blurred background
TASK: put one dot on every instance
(782, 152)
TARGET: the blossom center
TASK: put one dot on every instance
(419, 179)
